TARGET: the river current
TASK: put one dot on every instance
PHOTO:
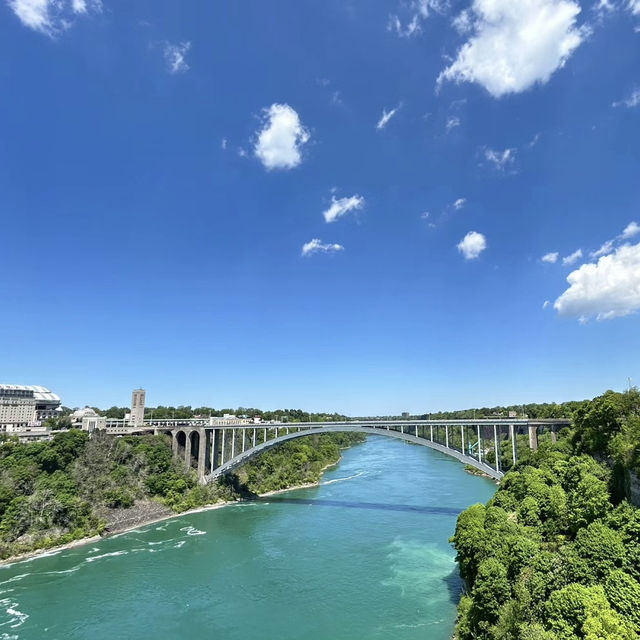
(363, 556)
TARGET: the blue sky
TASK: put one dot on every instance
(337, 205)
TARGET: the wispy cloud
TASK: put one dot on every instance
(501, 160)
(573, 257)
(175, 55)
(452, 122)
(317, 246)
(631, 101)
(279, 142)
(550, 258)
(459, 203)
(341, 206)
(419, 11)
(386, 116)
(632, 229)
(52, 17)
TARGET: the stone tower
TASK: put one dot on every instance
(137, 408)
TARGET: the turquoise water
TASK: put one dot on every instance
(363, 556)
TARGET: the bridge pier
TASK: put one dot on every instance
(495, 446)
(514, 452)
(533, 437)
(174, 443)
(479, 444)
(202, 453)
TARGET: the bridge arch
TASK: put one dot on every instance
(252, 452)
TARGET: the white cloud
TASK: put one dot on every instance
(51, 17)
(634, 6)
(545, 304)
(574, 257)
(419, 11)
(551, 258)
(386, 116)
(515, 44)
(175, 56)
(633, 100)
(606, 248)
(632, 229)
(425, 215)
(223, 144)
(472, 245)
(459, 203)
(317, 246)
(341, 206)
(607, 289)
(280, 140)
(500, 159)
(453, 122)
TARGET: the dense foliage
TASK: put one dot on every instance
(72, 486)
(555, 554)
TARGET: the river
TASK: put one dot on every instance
(363, 556)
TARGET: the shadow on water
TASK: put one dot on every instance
(446, 511)
(453, 583)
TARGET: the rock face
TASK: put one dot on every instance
(634, 488)
(141, 513)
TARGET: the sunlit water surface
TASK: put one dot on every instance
(363, 556)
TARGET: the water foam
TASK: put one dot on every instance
(106, 555)
(192, 531)
(17, 619)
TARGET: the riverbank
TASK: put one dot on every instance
(141, 516)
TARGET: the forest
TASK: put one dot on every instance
(555, 554)
(73, 486)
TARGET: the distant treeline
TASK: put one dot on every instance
(555, 554)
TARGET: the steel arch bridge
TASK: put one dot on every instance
(216, 449)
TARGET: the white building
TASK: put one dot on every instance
(26, 405)
(136, 419)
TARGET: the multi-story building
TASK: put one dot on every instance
(136, 418)
(26, 405)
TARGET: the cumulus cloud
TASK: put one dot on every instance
(573, 257)
(51, 17)
(175, 56)
(317, 246)
(341, 206)
(515, 44)
(607, 289)
(634, 7)
(459, 203)
(632, 229)
(419, 11)
(386, 116)
(546, 304)
(501, 159)
(279, 142)
(551, 258)
(632, 100)
(472, 245)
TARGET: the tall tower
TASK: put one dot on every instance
(137, 408)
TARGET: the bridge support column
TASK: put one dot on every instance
(265, 435)
(533, 438)
(244, 437)
(446, 435)
(187, 450)
(431, 427)
(224, 436)
(401, 429)
(554, 434)
(479, 444)
(233, 444)
(514, 453)
(495, 446)
(464, 452)
(202, 452)
(215, 445)
(254, 437)
(174, 444)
